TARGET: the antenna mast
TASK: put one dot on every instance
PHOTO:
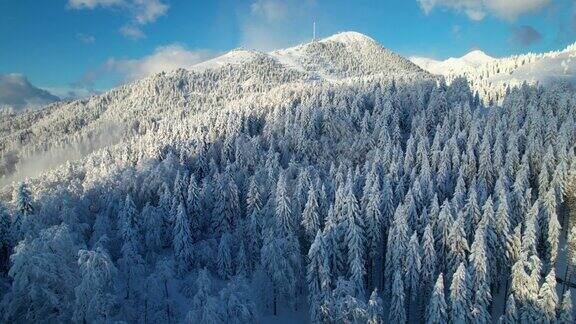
(314, 31)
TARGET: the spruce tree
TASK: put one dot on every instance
(397, 312)
(375, 311)
(460, 296)
(437, 309)
(565, 312)
(224, 257)
(182, 240)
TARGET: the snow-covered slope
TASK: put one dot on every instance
(346, 54)
(240, 75)
(453, 65)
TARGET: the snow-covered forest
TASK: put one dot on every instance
(271, 190)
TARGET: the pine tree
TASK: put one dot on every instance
(224, 257)
(413, 268)
(242, 266)
(317, 276)
(428, 271)
(565, 311)
(437, 310)
(152, 228)
(553, 227)
(5, 241)
(548, 299)
(441, 233)
(132, 268)
(460, 296)
(276, 263)
(205, 307)
(128, 226)
(510, 315)
(397, 305)
(355, 240)
(283, 212)
(237, 302)
(374, 226)
(397, 245)
(22, 223)
(457, 246)
(310, 215)
(375, 311)
(94, 295)
(183, 248)
(480, 280)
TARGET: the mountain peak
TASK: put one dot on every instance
(349, 37)
(477, 56)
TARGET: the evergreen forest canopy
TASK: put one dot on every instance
(401, 200)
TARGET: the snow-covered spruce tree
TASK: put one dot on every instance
(457, 246)
(437, 310)
(241, 263)
(128, 229)
(22, 222)
(343, 306)
(132, 269)
(460, 296)
(428, 268)
(224, 257)
(374, 225)
(283, 212)
(510, 315)
(236, 301)
(275, 259)
(310, 215)
(397, 311)
(398, 244)
(565, 311)
(375, 310)
(152, 229)
(94, 295)
(5, 241)
(205, 307)
(182, 240)
(355, 241)
(548, 298)
(318, 277)
(413, 271)
(480, 283)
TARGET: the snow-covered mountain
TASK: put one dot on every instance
(240, 75)
(490, 77)
(454, 66)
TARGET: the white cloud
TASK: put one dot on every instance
(91, 4)
(141, 12)
(270, 24)
(478, 9)
(132, 32)
(165, 58)
(86, 39)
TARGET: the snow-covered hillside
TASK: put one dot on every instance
(490, 77)
(134, 108)
(454, 66)
(332, 182)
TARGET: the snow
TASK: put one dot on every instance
(349, 37)
(453, 65)
(234, 57)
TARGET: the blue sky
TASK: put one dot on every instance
(96, 44)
